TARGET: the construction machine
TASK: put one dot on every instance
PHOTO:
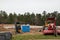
(18, 27)
(50, 26)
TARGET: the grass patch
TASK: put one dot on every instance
(32, 37)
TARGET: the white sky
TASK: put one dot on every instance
(36, 6)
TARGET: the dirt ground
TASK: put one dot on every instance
(32, 32)
(4, 28)
(13, 31)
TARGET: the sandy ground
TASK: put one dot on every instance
(11, 28)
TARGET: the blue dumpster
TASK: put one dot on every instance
(25, 28)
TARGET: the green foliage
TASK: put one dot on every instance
(34, 37)
(14, 16)
(11, 18)
(27, 18)
(3, 16)
(38, 19)
(31, 18)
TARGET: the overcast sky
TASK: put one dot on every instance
(36, 6)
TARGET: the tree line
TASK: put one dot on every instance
(30, 18)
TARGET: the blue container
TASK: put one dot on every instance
(25, 28)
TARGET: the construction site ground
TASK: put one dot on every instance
(34, 34)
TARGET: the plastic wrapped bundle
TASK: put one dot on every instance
(5, 36)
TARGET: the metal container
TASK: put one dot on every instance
(25, 28)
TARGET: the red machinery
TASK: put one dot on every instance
(50, 26)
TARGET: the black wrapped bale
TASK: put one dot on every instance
(5, 36)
